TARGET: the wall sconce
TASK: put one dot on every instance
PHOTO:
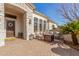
(30, 21)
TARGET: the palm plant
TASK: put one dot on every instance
(73, 29)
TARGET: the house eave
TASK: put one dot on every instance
(40, 14)
(31, 6)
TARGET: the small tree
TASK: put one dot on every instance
(73, 29)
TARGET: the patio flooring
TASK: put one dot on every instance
(20, 47)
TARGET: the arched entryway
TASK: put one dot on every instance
(14, 21)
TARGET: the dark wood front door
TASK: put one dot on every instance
(10, 28)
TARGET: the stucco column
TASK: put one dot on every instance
(26, 27)
(47, 26)
(42, 26)
(38, 29)
(24, 19)
(2, 26)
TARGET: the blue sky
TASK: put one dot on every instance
(51, 10)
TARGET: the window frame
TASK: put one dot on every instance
(35, 24)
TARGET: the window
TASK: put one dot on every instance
(44, 25)
(40, 24)
(35, 24)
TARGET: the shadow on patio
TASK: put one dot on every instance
(64, 50)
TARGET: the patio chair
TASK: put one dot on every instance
(48, 36)
(36, 36)
(31, 36)
(41, 37)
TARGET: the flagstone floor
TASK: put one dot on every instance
(20, 47)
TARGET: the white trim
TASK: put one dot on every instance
(8, 18)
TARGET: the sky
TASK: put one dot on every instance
(51, 10)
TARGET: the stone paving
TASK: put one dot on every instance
(20, 47)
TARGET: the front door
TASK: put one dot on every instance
(10, 28)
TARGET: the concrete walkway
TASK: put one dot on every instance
(62, 49)
(21, 47)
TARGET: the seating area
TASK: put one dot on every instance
(46, 36)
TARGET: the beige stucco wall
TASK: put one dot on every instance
(19, 25)
(68, 37)
(2, 27)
